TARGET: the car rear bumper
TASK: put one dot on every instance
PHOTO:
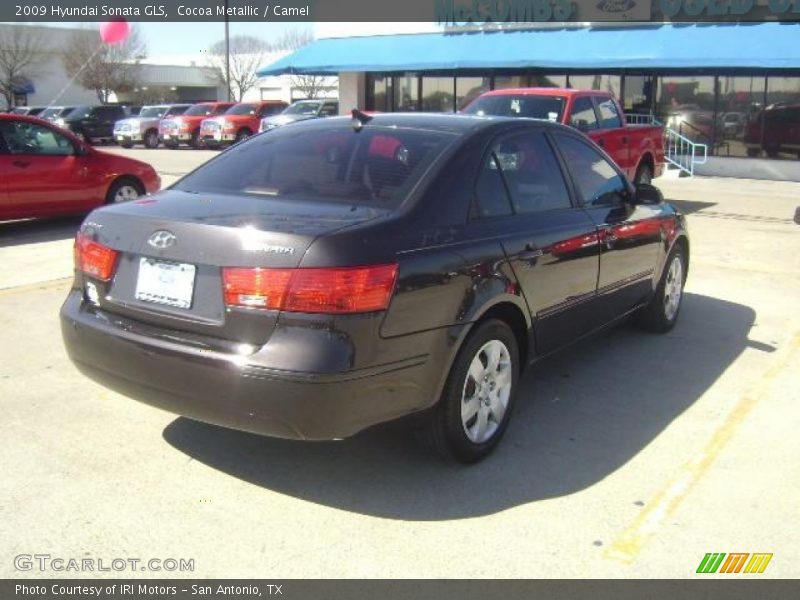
(232, 390)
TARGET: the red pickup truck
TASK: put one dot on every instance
(637, 149)
(238, 122)
(185, 129)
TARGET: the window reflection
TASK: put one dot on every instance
(437, 94)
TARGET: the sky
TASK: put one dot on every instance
(188, 39)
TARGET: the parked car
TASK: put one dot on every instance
(186, 128)
(774, 130)
(692, 122)
(53, 113)
(301, 111)
(46, 171)
(731, 124)
(240, 121)
(332, 275)
(27, 110)
(94, 123)
(143, 128)
(637, 149)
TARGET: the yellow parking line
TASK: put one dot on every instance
(33, 287)
(628, 545)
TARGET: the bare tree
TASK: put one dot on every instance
(105, 68)
(247, 54)
(310, 86)
(22, 53)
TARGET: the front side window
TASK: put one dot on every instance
(583, 116)
(302, 108)
(375, 166)
(269, 110)
(596, 179)
(29, 138)
(153, 112)
(242, 109)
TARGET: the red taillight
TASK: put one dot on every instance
(94, 259)
(329, 290)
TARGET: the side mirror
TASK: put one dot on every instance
(80, 150)
(648, 194)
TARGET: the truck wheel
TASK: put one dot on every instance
(195, 141)
(243, 135)
(644, 174)
(753, 152)
(478, 398)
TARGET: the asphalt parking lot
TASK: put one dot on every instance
(631, 455)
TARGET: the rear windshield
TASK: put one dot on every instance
(532, 107)
(242, 109)
(375, 166)
(303, 108)
(199, 110)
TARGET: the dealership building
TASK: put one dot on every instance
(734, 87)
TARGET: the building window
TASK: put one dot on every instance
(406, 92)
(740, 102)
(686, 105)
(469, 88)
(780, 119)
(378, 93)
(604, 83)
(437, 94)
(502, 82)
(638, 95)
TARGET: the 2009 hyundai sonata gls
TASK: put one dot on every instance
(328, 276)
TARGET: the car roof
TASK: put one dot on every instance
(443, 122)
(544, 91)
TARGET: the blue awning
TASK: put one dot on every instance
(662, 46)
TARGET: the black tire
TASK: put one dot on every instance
(151, 139)
(772, 152)
(644, 174)
(448, 431)
(195, 141)
(753, 152)
(120, 183)
(126, 145)
(171, 145)
(657, 317)
(242, 135)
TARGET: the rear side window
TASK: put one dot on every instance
(583, 117)
(271, 109)
(531, 173)
(609, 116)
(596, 179)
(491, 196)
(375, 166)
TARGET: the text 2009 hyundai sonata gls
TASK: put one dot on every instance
(325, 277)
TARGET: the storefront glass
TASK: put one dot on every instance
(406, 92)
(437, 94)
(469, 88)
(503, 82)
(638, 97)
(605, 83)
(378, 96)
(686, 105)
(738, 130)
(780, 131)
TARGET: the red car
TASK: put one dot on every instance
(239, 122)
(47, 171)
(185, 129)
(637, 149)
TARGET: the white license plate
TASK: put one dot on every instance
(168, 283)
(166, 136)
(120, 137)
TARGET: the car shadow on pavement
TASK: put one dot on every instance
(580, 416)
(34, 231)
(688, 207)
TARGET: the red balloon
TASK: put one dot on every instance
(114, 32)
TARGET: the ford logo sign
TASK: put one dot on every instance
(162, 239)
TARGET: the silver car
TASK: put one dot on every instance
(143, 129)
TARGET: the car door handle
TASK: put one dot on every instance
(22, 164)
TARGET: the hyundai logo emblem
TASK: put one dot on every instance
(162, 239)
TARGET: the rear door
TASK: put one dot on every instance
(629, 235)
(550, 242)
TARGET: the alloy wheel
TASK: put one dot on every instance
(486, 391)
(673, 288)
